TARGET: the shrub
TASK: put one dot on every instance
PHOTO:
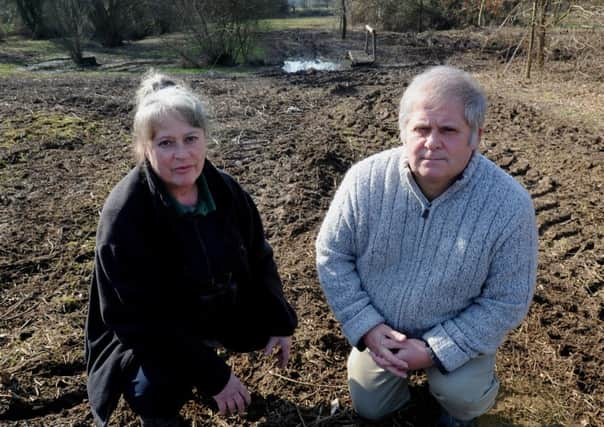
(220, 32)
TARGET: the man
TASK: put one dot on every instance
(428, 256)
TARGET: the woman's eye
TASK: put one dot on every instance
(164, 143)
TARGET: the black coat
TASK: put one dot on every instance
(163, 283)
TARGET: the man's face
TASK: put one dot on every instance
(437, 140)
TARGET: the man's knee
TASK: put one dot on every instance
(465, 402)
(468, 392)
(364, 402)
(375, 393)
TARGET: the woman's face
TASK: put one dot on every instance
(177, 153)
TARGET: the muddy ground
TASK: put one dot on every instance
(64, 142)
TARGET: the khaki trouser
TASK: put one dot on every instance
(465, 393)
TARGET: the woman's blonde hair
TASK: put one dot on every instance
(159, 97)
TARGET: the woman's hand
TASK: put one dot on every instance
(383, 343)
(284, 344)
(234, 397)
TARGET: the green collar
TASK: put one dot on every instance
(205, 201)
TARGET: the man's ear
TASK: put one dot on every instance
(475, 138)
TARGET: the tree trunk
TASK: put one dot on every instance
(529, 53)
(420, 17)
(541, 38)
(343, 19)
(482, 2)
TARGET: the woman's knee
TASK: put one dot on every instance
(149, 398)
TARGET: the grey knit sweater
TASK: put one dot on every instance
(458, 272)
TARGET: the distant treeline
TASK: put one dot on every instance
(216, 31)
(110, 22)
(423, 15)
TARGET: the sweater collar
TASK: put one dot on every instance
(460, 182)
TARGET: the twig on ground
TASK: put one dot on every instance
(304, 383)
(19, 314)
(300, 416)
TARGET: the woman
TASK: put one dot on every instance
(181, 267)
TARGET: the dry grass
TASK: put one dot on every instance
(570, 86)
(571, 100)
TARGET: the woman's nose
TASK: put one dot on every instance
(180, 150)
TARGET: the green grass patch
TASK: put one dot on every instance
(8, 69)
(53, 129)
(234, 71)
(27, 49)
(311, 23)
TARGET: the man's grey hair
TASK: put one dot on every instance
(160, 97)
(440, 84)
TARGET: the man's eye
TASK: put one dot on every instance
(449, 130)
(191, 139)
(422, 129)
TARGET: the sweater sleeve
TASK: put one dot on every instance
(136, 314)
(336, 252)
(503, 302)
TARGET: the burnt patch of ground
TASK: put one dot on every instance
(64, 142)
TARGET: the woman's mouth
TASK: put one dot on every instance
(183, 169)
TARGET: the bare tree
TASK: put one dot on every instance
(163, 15)
(33, 15)
(480, 12)
(411, 15)
(7, 14)
(529, 53)
(219, 32)
(542, 33)
(70, 20)
(343, 18)
(111, 20)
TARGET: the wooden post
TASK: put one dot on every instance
(362, 57)
(369, 30)
(373, 36)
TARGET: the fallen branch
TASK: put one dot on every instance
(304, 383)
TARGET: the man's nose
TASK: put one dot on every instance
(433, 140)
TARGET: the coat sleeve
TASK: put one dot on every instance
(336, 251)
(151, 320)
(503, 302)
(276, 315)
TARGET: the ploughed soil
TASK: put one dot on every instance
(64, 143)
